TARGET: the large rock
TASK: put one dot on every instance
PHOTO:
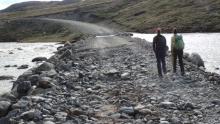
(46, 66)
(4, 106)
(66, 54)
(34, 115)
(23, 67)
(39, 59)
(45, 82)
(197, 60)
(23, 88)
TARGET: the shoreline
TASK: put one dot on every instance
(90, 84)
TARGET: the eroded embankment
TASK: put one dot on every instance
(84, 84)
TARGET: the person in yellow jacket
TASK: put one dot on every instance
(177, 46)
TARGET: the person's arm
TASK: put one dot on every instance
(154, 44)
(172, 43)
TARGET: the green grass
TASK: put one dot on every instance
(139, 15)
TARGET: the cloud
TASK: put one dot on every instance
(6, 3)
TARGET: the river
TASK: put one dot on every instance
(207, 45)
(19, 54)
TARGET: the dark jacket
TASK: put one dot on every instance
(160, 45)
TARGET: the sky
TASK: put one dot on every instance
(5, 3)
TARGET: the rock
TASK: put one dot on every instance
(125, 75)
(167, 105)
(175, 120)
(34, 79)
(11, 52)
(39, 59)
(21, 104)
(127, 110)
(75, 112)
(48, 122)
(7, 66)
(197, 60)
(19, 49)
(45, 82)
(66, 54)
(216, 102)
(37, 99)
(61, 116)
(4, 107)
(9, 96)
(186, 106)
(32, 115)
(6, 77)
(23, 88)
(46, 66)
(116, 115)
(23, 67)
(112, 72)
(164, 122)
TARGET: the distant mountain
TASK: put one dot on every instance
(25, 6)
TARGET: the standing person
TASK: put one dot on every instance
(160, 47)
(177, 46)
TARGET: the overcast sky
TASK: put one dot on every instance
(5, 3)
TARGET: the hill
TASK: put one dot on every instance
(128, 15)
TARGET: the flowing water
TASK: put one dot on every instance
(207, 45)
(19, 54)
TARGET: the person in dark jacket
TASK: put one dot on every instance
(160, 48)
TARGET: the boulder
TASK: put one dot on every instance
(23, 67)
(46, 66)
(45, 82)
(23, 88)
(34, 115)
(34, 79)
(4, 106)
(66, 54)
(197, 60)
(39, 59)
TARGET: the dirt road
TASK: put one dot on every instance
(104, 36)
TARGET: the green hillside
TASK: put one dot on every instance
(130, 15)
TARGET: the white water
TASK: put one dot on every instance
(207, 45)
(23, 53)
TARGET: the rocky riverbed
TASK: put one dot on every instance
(83, 84)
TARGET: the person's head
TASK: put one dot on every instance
(158, 31)
(175, 31)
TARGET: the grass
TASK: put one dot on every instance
(130, 15)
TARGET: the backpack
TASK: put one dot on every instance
(179, 44)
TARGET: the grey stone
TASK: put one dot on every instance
(127, 110)
(20, 104)
(46, 66)
(30, 115)
(48, 122)
(197, 60)
(216, 102)
(39, 59)
(23, 67)
(4, 106)
(23, 87)
(61, 116)
(45, 82)
(167, 105)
